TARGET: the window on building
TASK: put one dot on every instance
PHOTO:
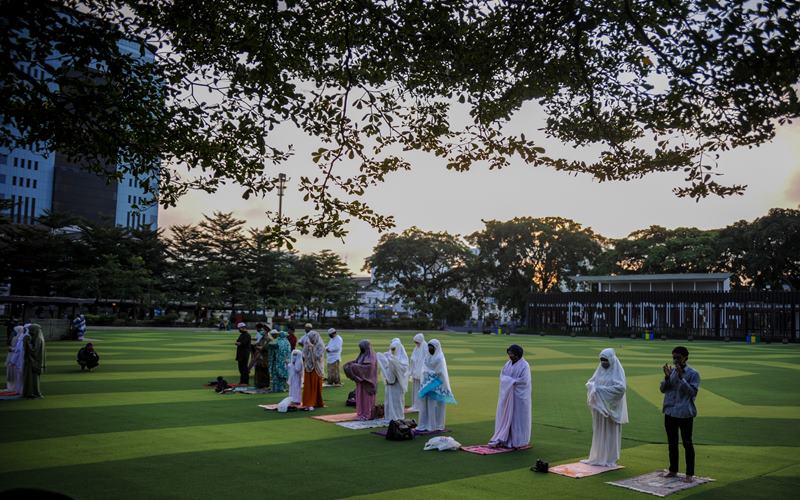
(30, 164)
(25, 213)
(3, 159)
(33, 210)
(36, 165)
(34, 183)
(2, 178)
(128, 220)
(15, 161)
(14, 180)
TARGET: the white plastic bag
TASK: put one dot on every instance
(442, 443)
(283, 406)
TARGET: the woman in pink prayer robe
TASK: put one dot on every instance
(512, 425)
(364, 372)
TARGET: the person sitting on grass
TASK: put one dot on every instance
(680, 385)
(88, 357)
(512, 424)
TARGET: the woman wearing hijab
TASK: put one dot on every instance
(512, 424)
(281, 352)
(416, 368)
(394, 366)
(260, 360)
(15, 361)
(435, 392)
(35, 361)
(313, 366)
(364, 372)
(87, 357)
(606, 398)
(295, 369)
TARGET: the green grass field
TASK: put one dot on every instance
(143, 425)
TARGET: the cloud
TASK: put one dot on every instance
(793, 188)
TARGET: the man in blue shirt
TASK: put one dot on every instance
(680, 386)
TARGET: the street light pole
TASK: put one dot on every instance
(281, 189)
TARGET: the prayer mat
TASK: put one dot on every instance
(7, 396)
(331, 385)
(485, 449)
(416, 432)
(655, 484)
(358, 425)
(274, 407)
(337, 417)
(250, 390)
(579, 470)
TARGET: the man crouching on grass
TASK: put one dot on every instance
(680, 385)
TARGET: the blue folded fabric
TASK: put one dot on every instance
(429, 387)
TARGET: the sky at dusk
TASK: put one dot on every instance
(435, 199)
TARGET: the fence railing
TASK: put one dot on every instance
(771, 315)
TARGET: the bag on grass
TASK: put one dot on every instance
(401, 430)
(378, 412)
(442, 443)
(351, 399)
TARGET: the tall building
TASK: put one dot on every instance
(36, 181)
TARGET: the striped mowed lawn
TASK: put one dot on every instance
(143, 425)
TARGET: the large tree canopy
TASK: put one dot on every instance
(655, 85)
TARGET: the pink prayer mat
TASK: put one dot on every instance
(485, 449)
(579, 470)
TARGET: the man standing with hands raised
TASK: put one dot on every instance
(680, 385)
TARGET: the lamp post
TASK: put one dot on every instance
(281, 189)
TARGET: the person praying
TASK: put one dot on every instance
(260, 361)
(313, 362)
(680, 385)
(291, 337)
(394, 366)
(87, 358)
(35, 361)
(436, 392)
(334, 353)
(279, 351)
(243, 350)
(15, 360)
(416, 367)
(295, 369)
(364, 372)
(605, 395)
(308, 327)
(512, 424)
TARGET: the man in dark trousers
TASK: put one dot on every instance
(680, 385)
(243, 350)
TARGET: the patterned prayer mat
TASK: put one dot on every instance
(357, 425)
(579, 470)
(655, 484)
(485, 449)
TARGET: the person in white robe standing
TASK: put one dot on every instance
(295, 369)
(15, 361)
(417, 365)
(606, 399)
(512, 425)
(436, 392)
(394, 366)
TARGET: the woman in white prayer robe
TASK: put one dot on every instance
(15, 361)
(435, 392)
(609, 407)
(417, 366)
(295, 369)
(512, 425)
(394, 366)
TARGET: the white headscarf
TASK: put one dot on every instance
(418, 356)
(398, 360)
(607, 388)
(435, 363)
